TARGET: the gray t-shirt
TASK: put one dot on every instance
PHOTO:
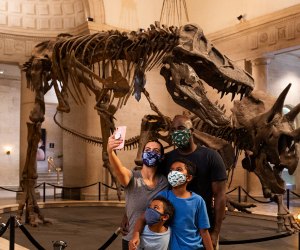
(151, 240)
(137, 197)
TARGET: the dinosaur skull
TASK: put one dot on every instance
(209, 65)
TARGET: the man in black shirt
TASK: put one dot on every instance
(210, 178)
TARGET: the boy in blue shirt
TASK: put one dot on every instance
(156, 234)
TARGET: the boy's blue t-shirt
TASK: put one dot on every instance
(190, 216)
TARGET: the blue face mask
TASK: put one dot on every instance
(152, 216)
(151, 158)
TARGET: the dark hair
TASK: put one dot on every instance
(185, 118)
(168, 208)
(162, 151)
(190, 166)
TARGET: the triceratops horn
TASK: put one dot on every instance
(291, 115)
(278, 105)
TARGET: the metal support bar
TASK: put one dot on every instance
(12, 233)
(99, 191)
(44, 191)
(288, 198)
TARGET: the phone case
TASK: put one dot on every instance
(120, 134)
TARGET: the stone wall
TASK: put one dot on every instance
(9, 126)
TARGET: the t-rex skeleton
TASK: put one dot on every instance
(102, 64)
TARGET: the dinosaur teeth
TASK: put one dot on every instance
(292, 145)
(222, 94)
(233, 95)
(239, 87)
(241, 96)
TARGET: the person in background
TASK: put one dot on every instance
(140, 186)
(210, 175)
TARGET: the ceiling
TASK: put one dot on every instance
(288, 55)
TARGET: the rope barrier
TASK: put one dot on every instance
(117, 232)
(71, 187)
(108, 186)
(29, 236)
(56, 186)
(57, 243)
(82, 186)
(39, 185)
(4, 227)
(295, 194)
(232, 190)
(255, 198)
(7, 189)
(236, 242)
(111, 239)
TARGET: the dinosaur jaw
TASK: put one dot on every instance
(289, 150)
(220, 78)
(188, 91)
(210, 65)
(269, 176)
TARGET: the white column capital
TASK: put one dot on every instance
(262, 61)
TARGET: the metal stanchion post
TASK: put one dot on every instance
(239, 190)
(44, 191)
(99, 191)
(288, 198)
(12, 233)
(59, 245)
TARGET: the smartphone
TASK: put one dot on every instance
(120, 134)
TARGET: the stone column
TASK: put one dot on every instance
(74, 151)
(260, 72)
(94, 163)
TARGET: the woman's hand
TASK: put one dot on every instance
(122, 173)
(113, 143)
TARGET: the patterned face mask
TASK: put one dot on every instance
(181, 138)
(176, 178)
(152, 216)
(151, 158)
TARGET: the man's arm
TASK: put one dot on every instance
(219, 194)
(206, 239)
